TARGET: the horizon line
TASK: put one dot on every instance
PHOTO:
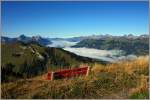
(2, 35)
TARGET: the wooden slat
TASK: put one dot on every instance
(68, 73)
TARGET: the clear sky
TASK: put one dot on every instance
(69, 19)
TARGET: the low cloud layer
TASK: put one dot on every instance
(106, 55)
(61, 43)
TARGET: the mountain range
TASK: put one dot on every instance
(26, 39)
(25, 56)
(45, 41)
(137, 45)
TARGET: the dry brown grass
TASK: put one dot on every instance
(136, 71)
(140, 64)
(142, 86)
(139, 88)
(118, 80)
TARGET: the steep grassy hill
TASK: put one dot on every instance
(123, 80)
(137, 46)
(21, 60)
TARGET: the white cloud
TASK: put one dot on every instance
(61, 43)
(106, 55)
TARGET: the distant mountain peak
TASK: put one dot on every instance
(144, 35)
(36, 38)
(22, 35)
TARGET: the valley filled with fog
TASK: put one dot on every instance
(61, 43)
(104, 55)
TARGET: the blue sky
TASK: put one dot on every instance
(69, 19)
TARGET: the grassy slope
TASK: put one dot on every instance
(122, 80)
(23, 60)
(14, 66)
(53, 54)
(9, 49)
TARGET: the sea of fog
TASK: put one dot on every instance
(105, 55)
(61, 43)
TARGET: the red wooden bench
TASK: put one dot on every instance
(68, 73)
